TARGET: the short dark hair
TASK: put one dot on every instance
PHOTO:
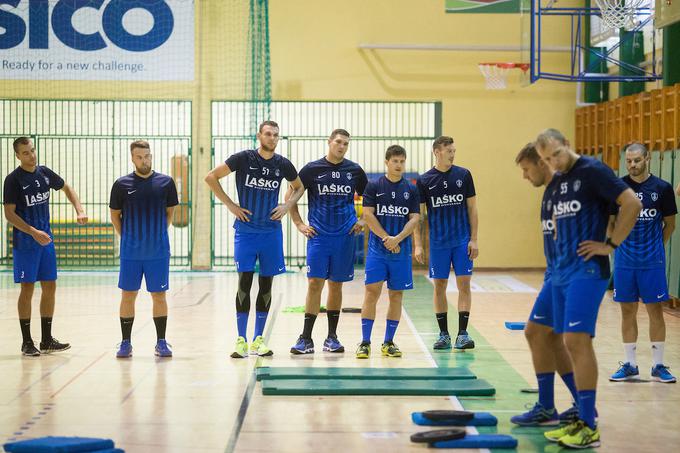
(637, 146)
(139, 144)
(441, 141)
(267, 123)
(339, 132)
(550, 135)
(529, 153)
(394, 150)
(20, 141)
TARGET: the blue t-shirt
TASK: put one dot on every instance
(143, 201)
(581, 210)
(446, 194)
(30, 192)
(330, 191)
(643, 248)
(393, 202)
(258, 181)
(547, 224)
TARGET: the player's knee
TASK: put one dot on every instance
(655, 311)
(245, 281)
(629, 310)
(577, 343)
(316, 285)
(27, 288)
(440, 284)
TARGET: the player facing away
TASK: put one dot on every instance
(548, 352)
(391, 211)
(26, 197)
(330, 183)
(640, 264)
(447, 191)
(259, 235)
(141, 207)
(584, 191)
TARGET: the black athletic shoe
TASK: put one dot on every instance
(29, 349)
(53, 346)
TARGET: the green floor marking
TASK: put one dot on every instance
(486, 363)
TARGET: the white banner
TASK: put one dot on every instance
(140, 40)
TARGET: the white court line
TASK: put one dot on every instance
(455, 401)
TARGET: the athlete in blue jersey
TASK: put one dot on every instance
(259, 235)
(640, 264)
(26, 197)
(585, 188)
(448, 193)
(331, 183)
(391, 211)
(142, 204)
(547, 348)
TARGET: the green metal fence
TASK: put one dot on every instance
(305, 127)
(665, 165)
(87, 143)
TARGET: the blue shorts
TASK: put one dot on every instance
(441, 261)
(542, 313)
(156, 274)
(331, 257)
(576, 304)
(397, 273)
(631, 285)
(35, 265)
(265, 247)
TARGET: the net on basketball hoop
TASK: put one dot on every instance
(496, 74)
(619, 13)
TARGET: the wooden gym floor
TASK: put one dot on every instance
(203, 401)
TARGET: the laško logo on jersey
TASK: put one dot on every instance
(334, 189)
(447, 200)
(566, 208)
(392, 210)
(39, 198)
(648, 214)
(261, 183)
(548, 226)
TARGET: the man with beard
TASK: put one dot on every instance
(640, 264)
(141, 205)
(259, 234)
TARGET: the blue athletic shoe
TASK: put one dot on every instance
(571, 415)
(660, 373)
(163, 349)
(332, 344)
(443, 342)
(124, 349)
(537, 416)
(463, 341)
(303, 346)
(625, 373)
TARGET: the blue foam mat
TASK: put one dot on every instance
(479, 419)
(515, 325)
(479, 441)
(59, 444)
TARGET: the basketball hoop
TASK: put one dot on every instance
(619, 13)
(496, 74)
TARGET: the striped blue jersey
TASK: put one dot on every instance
(143, 201)
(30, 192)
(330, 191)
(445, 195)
(258, 181)
(393, 202)
(643, 248)
(581, 211)
(548, 225)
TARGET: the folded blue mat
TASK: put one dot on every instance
(479, 419)
(515, 325)
(58, 444)
(479, 441)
